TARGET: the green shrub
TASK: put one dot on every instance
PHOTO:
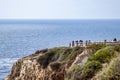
(45, 59)
(74, 72)
(75, 51)
(61, 53)
(112, 72)
(89, 69)
(117, 48)
(64, 54)
(103, 55)
(96, 47)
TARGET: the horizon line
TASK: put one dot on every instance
(60, 19)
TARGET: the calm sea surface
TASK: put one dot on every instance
(19, 39)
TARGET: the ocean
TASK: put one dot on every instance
(20, 38)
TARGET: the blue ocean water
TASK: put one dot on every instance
(21, 38)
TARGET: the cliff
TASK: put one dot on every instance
(65, 63)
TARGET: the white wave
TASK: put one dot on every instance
(5, 66)
(7, 61)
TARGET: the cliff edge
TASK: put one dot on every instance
(65, 63)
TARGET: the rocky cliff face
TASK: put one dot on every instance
(66, 63)
(43, 65)
(81, 59)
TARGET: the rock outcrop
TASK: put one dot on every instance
(66, 63)
(82, 58)
(28, 68)
(43, 65)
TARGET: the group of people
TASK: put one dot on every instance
(80, 43)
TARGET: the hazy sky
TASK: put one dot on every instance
(59, 9)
